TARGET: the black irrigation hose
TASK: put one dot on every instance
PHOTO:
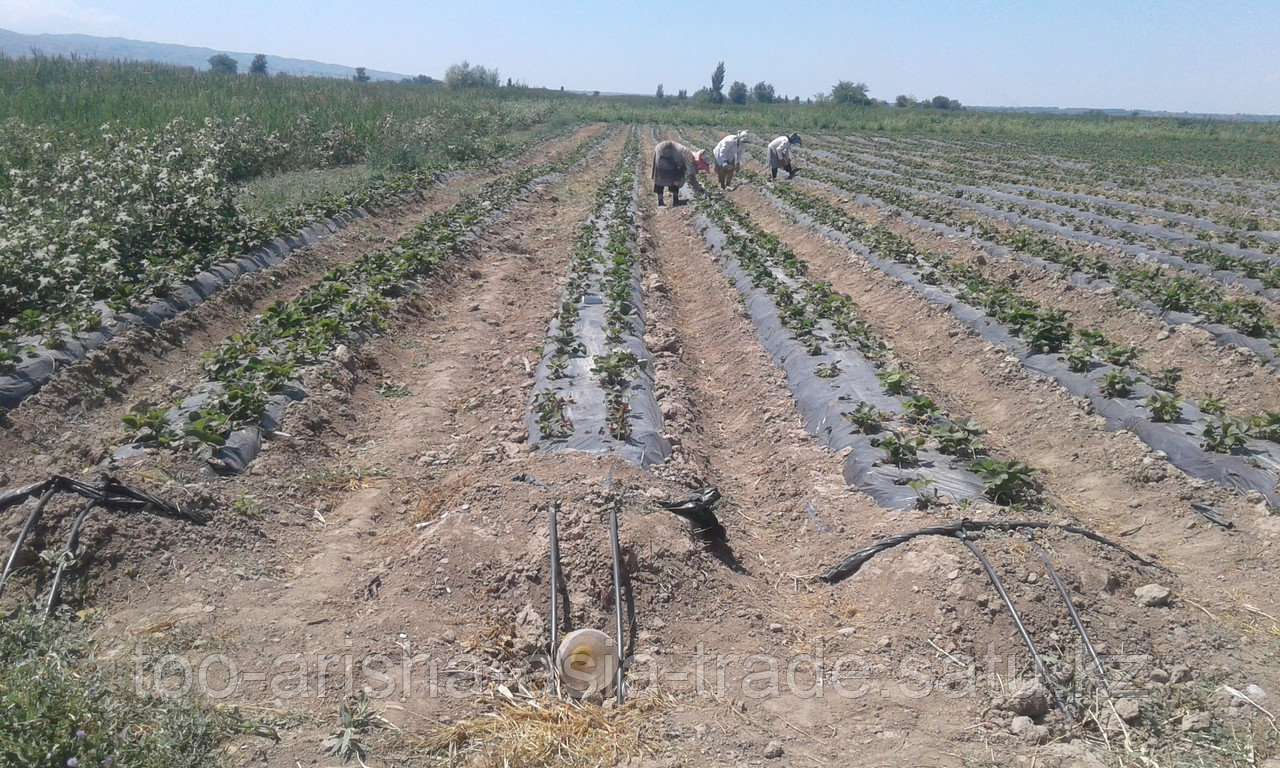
(552, 511)
(19, 495)
(1017, 621)
(112, 494)
(850, 565)
(617, 595)
(68, 554)
(50, 489)
(1071, 609)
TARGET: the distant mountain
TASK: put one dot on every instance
(16, 45)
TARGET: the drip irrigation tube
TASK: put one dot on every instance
(32, 519)
(111, 494)
(617, 597)
(552, 511)
(851, 564)
(68, 555)
(1017, 621)
(1071, 609)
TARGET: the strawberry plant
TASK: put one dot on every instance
(1117, 383)
(1164, 407)
(895, 381)
(1226, 435)
(900, 448)
(1078, 358)
(1167, 380)
(959, 437)
(1213, 405)
(1006, 482)
(866, 417)
(921, 408)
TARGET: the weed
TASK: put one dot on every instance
(355, 715)
(391, 389)
(63, 707)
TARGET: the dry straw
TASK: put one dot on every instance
(546, 732)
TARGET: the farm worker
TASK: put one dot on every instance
(728, 155)
(780, 154)
(672, 164)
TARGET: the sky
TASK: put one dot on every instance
(1178, 55)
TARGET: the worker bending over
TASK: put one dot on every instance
(673, 163)
(728, 155)
(780, 154)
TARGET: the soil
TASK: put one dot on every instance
(402, 531)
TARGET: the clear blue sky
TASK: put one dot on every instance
(1197, 55)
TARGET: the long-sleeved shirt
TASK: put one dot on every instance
(729, 151)
(673, 163)
(780, 152)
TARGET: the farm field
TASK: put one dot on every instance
(373, 350)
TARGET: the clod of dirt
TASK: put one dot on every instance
(1032, 701)
(1152, 595)
(1026, 729)
(1128, 709)
(774, 750)
(1196, 721)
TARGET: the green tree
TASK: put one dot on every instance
(717, 84)
(738, 92)
(850, 94)
(682, 94)
(222, 64)
(259, 65)
(659, 93)
(763, 92)
(361, 76)
(942, 102)
(904, 101)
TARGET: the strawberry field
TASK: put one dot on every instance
(958, 447)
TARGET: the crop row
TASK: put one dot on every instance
(849, 386)
(594, 390)
(1153, 185)
(1088, 366)
(1212, 260)
(1166, 291)
(94, 232)
(953, 165)
(249, 368)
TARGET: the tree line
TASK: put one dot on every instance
(844, 93)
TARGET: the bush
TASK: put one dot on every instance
(467, 75)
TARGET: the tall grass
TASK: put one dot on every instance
(80, 96)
